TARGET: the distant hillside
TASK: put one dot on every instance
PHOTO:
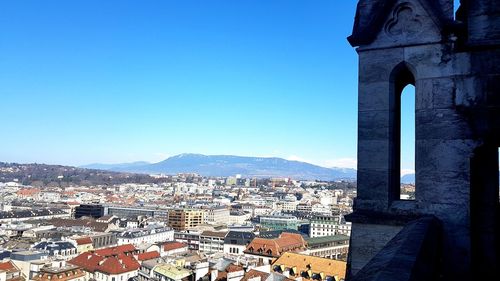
(409, 178)
(100, 166)
(229, 165)
(56, 175)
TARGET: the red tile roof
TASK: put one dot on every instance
(127, 248)
(169, 246)
(148, 256)
(8, 266)
(114, 264)
(233, 268)
(252, 273)
(287, 242)
(83, 241)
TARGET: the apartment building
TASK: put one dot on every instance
(182, 219)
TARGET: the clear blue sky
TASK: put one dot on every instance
(118, 81)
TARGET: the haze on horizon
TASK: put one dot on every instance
(122, 81)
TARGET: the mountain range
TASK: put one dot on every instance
(230, 165)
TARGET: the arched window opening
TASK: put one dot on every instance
(402, 129)
(407, 148)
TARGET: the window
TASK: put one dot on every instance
(403, 95)
(407, 164)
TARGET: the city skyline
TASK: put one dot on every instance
(86, 82)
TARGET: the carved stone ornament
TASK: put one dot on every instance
(404, 22)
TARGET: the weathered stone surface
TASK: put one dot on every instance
(412, 254)
(442, 124)
(366, 241)
(373, 184)
(436, 93)
(468, 92)
(374, 124)
(456, 70)
(439, 156)
(376, 153)
(443, 187)
(377, 65)
(374, 96)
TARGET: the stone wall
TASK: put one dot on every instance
(455, 68)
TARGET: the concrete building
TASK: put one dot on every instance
(29, 262)
(322, 225)
(279, 222)
(236, 242)
(130, 212)
(182, 219)
(331, 247)
(452, 59)
(89, 210)
(217, 215)
(239, 217)
(147, 235)
(168, 272)
(103, 240)
(212, 242)
(190, 238)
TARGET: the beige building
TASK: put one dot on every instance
(182, 219)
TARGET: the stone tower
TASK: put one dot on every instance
(453, 60)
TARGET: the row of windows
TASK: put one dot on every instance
(234, 250)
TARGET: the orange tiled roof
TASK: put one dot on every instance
(275, 247)
(83, 241)
(8, 266)
(28, 191)
(148, 256)
(122, 249)
(311, 265)
(233, 268)
(169, 246)
(114, 264)
(252, 273)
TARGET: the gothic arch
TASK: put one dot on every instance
(402, 75)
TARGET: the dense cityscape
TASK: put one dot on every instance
(187, 227)
(177, 227)
(104, 98)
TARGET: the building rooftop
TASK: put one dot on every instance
(276, 246)
(214, 234)
(136, 233)
(239, 237)
(15, 214)
(172, 272)
(148, 256)
(115, 263)
(310, 266)
(327, 239)
(173, 245)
